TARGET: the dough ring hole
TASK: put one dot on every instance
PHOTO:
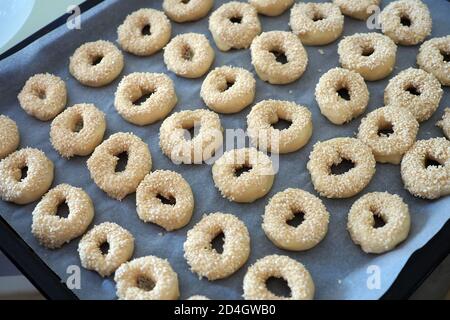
(63, 210)
(218, 242)
(385, 129)
(378, 219)
(185, 1)
(145, 95)
(236, 19)
(297, 220)
(40, 93)
(122, 161)
(166, 199)
(23, 173)
(145, 283)
(229, 83)
(317, 16)
(280, 56)
(187, 53)
(78, 125)
(367, 51)
(282, 124)
(431, 162)
(413, 90)
(278, 286)
(243, 169)
(96, 60)
(342, 167)
(191, 130)
(104, 248)
(146, 30)
(445, 55)
(344, 93)
(405, 21)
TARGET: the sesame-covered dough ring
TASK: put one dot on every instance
(415, 90)
(144, 32)
(370, 54)
(187, 10)
(39, 176)
(51, 230)
(172, 187)
(358, 9)
(78, 130)
(96, 64)
(248, 186)
(338, 108)
(271, 8)
(389, 148)
(234, 25)
(204, 259)
(133, 280)
(157, 106)
(283, 207)
(361, 223)
(297, 277)
(102, 164)
(228, 89)
(316, 23)
(444, 124)
(120, 244)
(189, 55)
(266, 47)
(267, 138)
(426, 180)
(43, 96)
(332, 152)
(407, 22)
(172, 136)
(434, 57)
(9, 136)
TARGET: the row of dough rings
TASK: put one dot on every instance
(51, 230)
(434, 57)
(187, 10)
(78, 130)
(388, 148)
(200, 148)
(332, 152)
(157, 106)
(271, 7)
(298, 278)
(248, 186)
(165, 198)
(43, 96)
(133, 280)
(228, 89)
(269, 46)
(120, 248)
(234, 25)
(103, 161)
(415, 90)
(422, 179)
(341, 95)
(370, 54)
(144, 32)
(37, 182)
(316, 23)
(204, 259)
(10, 136)
(96, 64)
(407, 22)
(283, 207)
(358, 9)
(267, 138)
(361, 223)
(444, 124)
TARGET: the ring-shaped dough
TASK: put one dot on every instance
(187, 10)
(9, 136)
(434, 57)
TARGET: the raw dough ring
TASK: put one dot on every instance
(361, 223)
(264, 51)
(157, 106)
(267, 138)
(228, 89)
(341, 109)
(370, 54)
(298, 278)
(200, 148)
(316, 23)
(415, 90)
(234, 25)
(415, 15)
(389, 148)
(142, 271)
(189, 55)
(9, 136)
(283, 207)
(249, 186)
(172, 187)
(96, 64)
(51, 230)
(144, 32)
(102, 164)
(204, 259)
(38, 180)
(68, 140)
(434, 57)
(332, 152)
(185, 11)
(444, 124)
(43, 96)
(430, 182)
(357, 9)
(271, 8)
(120, 248)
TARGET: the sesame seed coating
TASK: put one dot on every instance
(358, 9)
(186, 11)
(9, 136)
(271, 7)
(444, 124)
(431, 58)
